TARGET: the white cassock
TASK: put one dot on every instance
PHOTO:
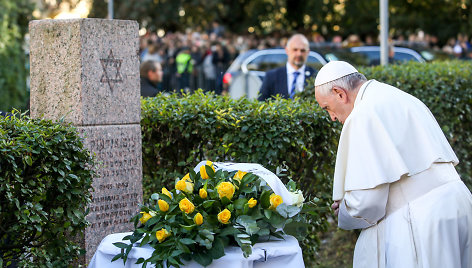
(396, 180)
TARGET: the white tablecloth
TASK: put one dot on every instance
(273, 254)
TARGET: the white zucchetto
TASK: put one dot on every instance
(333, 70)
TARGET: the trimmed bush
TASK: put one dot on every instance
(45, 186)
(295, 138)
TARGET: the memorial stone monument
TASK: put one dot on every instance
(86, 71)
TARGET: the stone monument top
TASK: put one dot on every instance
(87, 69)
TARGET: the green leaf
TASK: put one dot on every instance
(248, 223)
(230, 230)
(145, 240)
(118, 256)
(218, 249)
(265, 199)
(267, 213)
(202, 259)
(208, 203)
(187, 241)
(287, 211)
(188, 227)
(121, 244)
(210, 171)
(239, 203)
(28, 160)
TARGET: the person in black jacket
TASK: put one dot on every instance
(151, 76)
(291, 78)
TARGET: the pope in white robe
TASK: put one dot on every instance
(394, 175)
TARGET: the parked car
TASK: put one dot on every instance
(434, 55)
(244, 76)
(370, 55)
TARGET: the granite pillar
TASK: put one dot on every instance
(86, 71)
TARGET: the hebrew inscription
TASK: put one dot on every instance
(117, 190)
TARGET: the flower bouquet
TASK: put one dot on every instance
(209, 209)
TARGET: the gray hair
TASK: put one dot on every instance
(298, 36)
(348, 82)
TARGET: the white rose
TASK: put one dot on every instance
(297, 198)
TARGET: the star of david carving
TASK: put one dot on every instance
(111, 70)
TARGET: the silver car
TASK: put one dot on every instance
(370, 55)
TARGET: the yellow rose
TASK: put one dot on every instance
(162, 234)
(275, 200)
(239, 175)
(225, 189)
(198, 219)
(180, 185)
(224, 216)
(203, 172)
(187, 177)
(188, 187)
(184, 186)
(186, 206)
(163, 206)
(166, 192)
(145, 217)
(203, 194)
(252, 202)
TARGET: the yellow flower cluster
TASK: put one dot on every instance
(163, 205)
(203, 193)
(146, 216)
(275, 201)
(198, 219)
(162, 234)
(203, 172)
(239, 175)
(184, 186)
(225, 189)
(186, 206)
(252, 202)
(224, 216)
(166, 192)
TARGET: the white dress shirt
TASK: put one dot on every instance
(300, 79)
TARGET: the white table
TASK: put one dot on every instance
(273, 254)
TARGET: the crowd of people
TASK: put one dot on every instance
(198, 58)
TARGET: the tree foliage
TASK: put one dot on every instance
(237, 16)
(326, 17)
(14, 17)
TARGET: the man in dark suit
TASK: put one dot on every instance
(151, 76)
(291, 78)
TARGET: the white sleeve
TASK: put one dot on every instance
(363, 208)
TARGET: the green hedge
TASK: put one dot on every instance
(45, 185)
(295, 136)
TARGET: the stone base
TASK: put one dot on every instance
(118, 187)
